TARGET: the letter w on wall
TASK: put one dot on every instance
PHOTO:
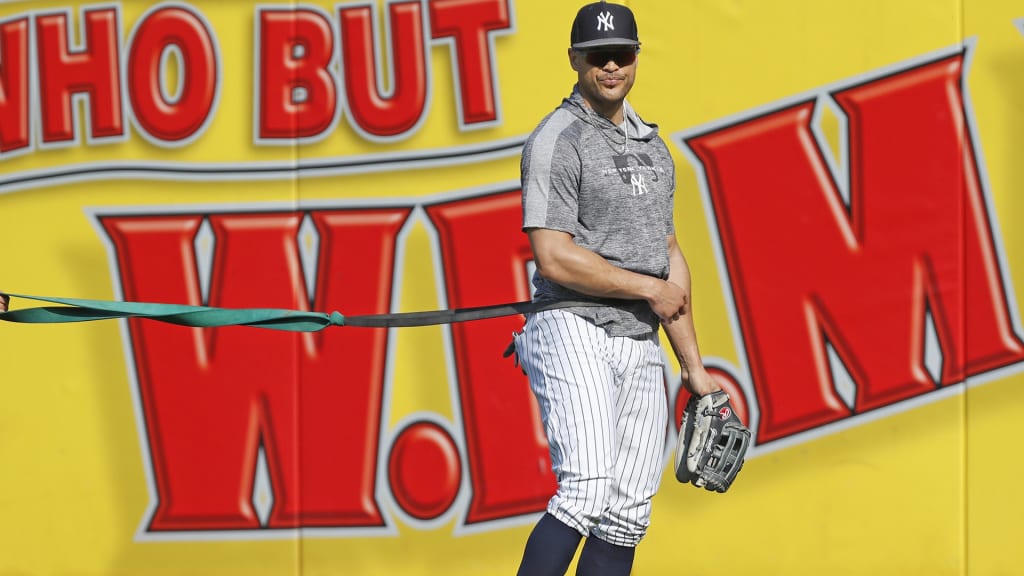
(859, 267)
(211, 398)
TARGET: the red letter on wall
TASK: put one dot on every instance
(509, 463)
(470, 24)
(179, 119)
(14, 85)
(297, 97)
(914, 239)
(94, 70)
(210, 398)
(397, 110)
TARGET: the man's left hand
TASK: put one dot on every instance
(698, 382)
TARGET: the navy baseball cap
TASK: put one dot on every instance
(603, 24)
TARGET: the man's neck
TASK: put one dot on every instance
(613, 112)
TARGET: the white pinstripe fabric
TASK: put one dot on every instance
(605, 412)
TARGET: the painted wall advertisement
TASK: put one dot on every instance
(848, 178)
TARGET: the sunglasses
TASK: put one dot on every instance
(621, 56)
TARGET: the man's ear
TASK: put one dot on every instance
(573, 57)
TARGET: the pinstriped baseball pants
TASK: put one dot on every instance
(605, 412)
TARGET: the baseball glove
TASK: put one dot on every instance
(712, 443)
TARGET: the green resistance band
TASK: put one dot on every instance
(80, 310)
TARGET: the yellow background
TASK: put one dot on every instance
(927, 489)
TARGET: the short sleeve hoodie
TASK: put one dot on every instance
(610, 187)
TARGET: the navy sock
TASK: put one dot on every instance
(605, 559)
(550, 548)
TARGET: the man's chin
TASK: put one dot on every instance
(615, 97)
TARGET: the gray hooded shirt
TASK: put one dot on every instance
(612, 189)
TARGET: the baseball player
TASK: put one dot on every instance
(598, 185)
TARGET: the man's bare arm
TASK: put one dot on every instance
(561, 260)
(681, 332)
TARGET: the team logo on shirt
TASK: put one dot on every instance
(638, 184)
(637, 170)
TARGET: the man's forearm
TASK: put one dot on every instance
(588, 273)
(560, 260)
(681, 332)
(683, 337)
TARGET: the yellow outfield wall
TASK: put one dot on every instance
(848, 179)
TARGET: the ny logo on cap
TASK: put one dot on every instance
(604, 21)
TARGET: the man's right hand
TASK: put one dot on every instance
(4, 300)
(668, 301)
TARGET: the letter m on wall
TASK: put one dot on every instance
(882, 259)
